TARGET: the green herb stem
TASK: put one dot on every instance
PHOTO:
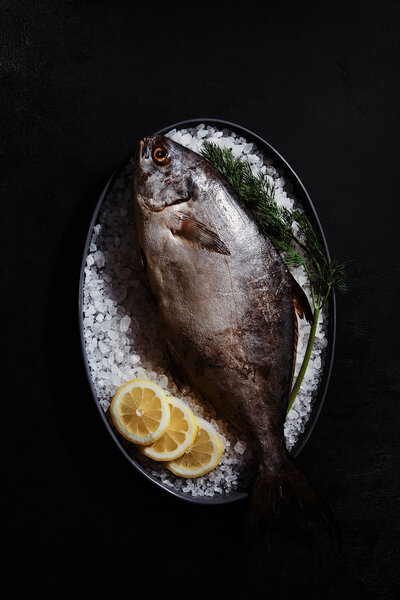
(306, 360)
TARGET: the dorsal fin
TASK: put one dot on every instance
(300, 301)
(302, 309)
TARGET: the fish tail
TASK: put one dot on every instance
(288, 483)
(265, 499)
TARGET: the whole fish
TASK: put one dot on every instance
(227, 306)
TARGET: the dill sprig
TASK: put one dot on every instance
(291, 232)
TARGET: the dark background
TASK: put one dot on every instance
(81, 82)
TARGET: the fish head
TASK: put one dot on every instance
(163, 173)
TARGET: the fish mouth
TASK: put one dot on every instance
(144, 203)
(147, 204)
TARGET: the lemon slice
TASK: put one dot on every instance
(179, 436)
(202, 456)
(140, 411)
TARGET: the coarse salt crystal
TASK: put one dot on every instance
(89, 310)
(163, 381)
(236, 150)
(116, 379)
(99, 258)
(100, 306)
(240, 447)
(124, 323)
(104, 348)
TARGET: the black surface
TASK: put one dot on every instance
(81, 82)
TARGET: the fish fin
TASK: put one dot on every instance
(300, 301)
(271, 488)
(197, 235)
(302, 309)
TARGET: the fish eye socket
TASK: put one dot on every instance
(160, 154)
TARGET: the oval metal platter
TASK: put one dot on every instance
(302, 196)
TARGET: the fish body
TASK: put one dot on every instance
(227, 303)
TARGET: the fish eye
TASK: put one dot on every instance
(160, 154)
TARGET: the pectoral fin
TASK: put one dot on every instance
(195, 234)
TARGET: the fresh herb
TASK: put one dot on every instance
(292, 233)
